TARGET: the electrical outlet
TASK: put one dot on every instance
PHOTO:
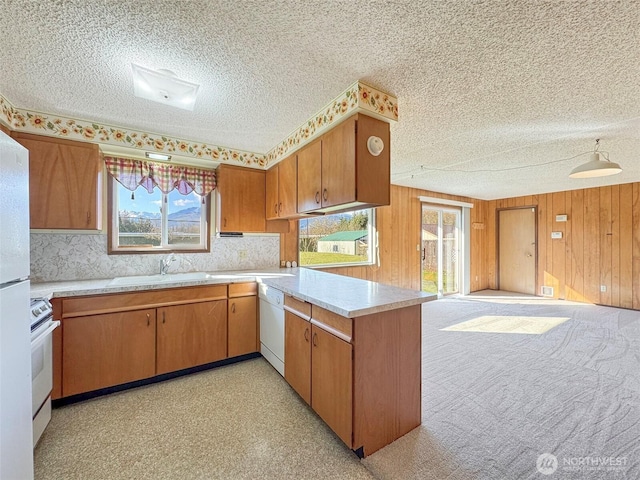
(603, 288)
(242, 254)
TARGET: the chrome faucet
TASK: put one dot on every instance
(165, 262)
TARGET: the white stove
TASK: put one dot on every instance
(42, 327)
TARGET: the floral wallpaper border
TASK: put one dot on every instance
(65, 127)
(358, 97)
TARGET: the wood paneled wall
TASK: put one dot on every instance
(600, 244)
(399, 233)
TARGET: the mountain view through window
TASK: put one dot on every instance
(142, 220)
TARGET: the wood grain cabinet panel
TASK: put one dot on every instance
(100, 351)
(338, 173)
(339, 164)
(272, 195)
(282, 189)
(243, 326)
(64, 182)
(297, 354)
(310, 177)
(332, 382)
(241, 199)
(191, 335)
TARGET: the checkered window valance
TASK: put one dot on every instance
(140, 173)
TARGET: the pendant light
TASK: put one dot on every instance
(596, 167)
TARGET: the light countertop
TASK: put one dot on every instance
(346, 296)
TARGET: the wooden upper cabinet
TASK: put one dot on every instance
(191, 335)
(64, 182)
(310, 177)
(338, 173)
(272, 195)
(288, 187)
(339, 164)
(241, 199)
(282, 189)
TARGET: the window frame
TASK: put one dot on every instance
(373, 251)
(112, 228)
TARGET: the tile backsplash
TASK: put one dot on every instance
(57, 257)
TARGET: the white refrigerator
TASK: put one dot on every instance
(16, 431)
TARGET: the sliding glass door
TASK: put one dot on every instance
(440, 250)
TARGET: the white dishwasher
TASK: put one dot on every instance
(272, 326)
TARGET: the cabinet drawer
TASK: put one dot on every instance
(243, 289)
(332, 320)
(300, 307)
(121, 302)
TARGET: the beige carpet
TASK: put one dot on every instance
(241, 421)
(530, 325)
(494, 402)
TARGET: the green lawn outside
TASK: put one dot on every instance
(316, 258)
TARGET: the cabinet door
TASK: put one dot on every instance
(310, 177)
(104, 350)
(288, 187)
(241, 196)
(297, 354)
(243, 326)
(332, 382)
(191, 335)
(339, 164)
(64, 183)
(272, 195)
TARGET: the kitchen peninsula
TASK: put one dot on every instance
(352, 347)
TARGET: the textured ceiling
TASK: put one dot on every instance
(493, 95)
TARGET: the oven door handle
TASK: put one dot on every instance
(35, 343)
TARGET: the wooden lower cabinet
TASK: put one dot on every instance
(101, 351)
(297, 354)
(332, 382)
(191, 335)
(243, 326)
(361, 375)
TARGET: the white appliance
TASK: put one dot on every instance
(272, 326)
(16, 434)
(42, 327)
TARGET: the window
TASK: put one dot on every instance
(341, 239)
(156, 221)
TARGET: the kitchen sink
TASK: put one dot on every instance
(168, 278)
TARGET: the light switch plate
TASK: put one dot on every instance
(556, 235)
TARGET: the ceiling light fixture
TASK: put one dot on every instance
(596, 167)
(163, 86)
(157, 156)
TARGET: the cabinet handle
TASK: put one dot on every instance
(275, 209)
(306, 334)
(315, 339)
(163, 319)
(233, 307)
(148, 319)
(224, 222)
(280, 208)
(318, 197)
(324, 195)
(88, 218)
